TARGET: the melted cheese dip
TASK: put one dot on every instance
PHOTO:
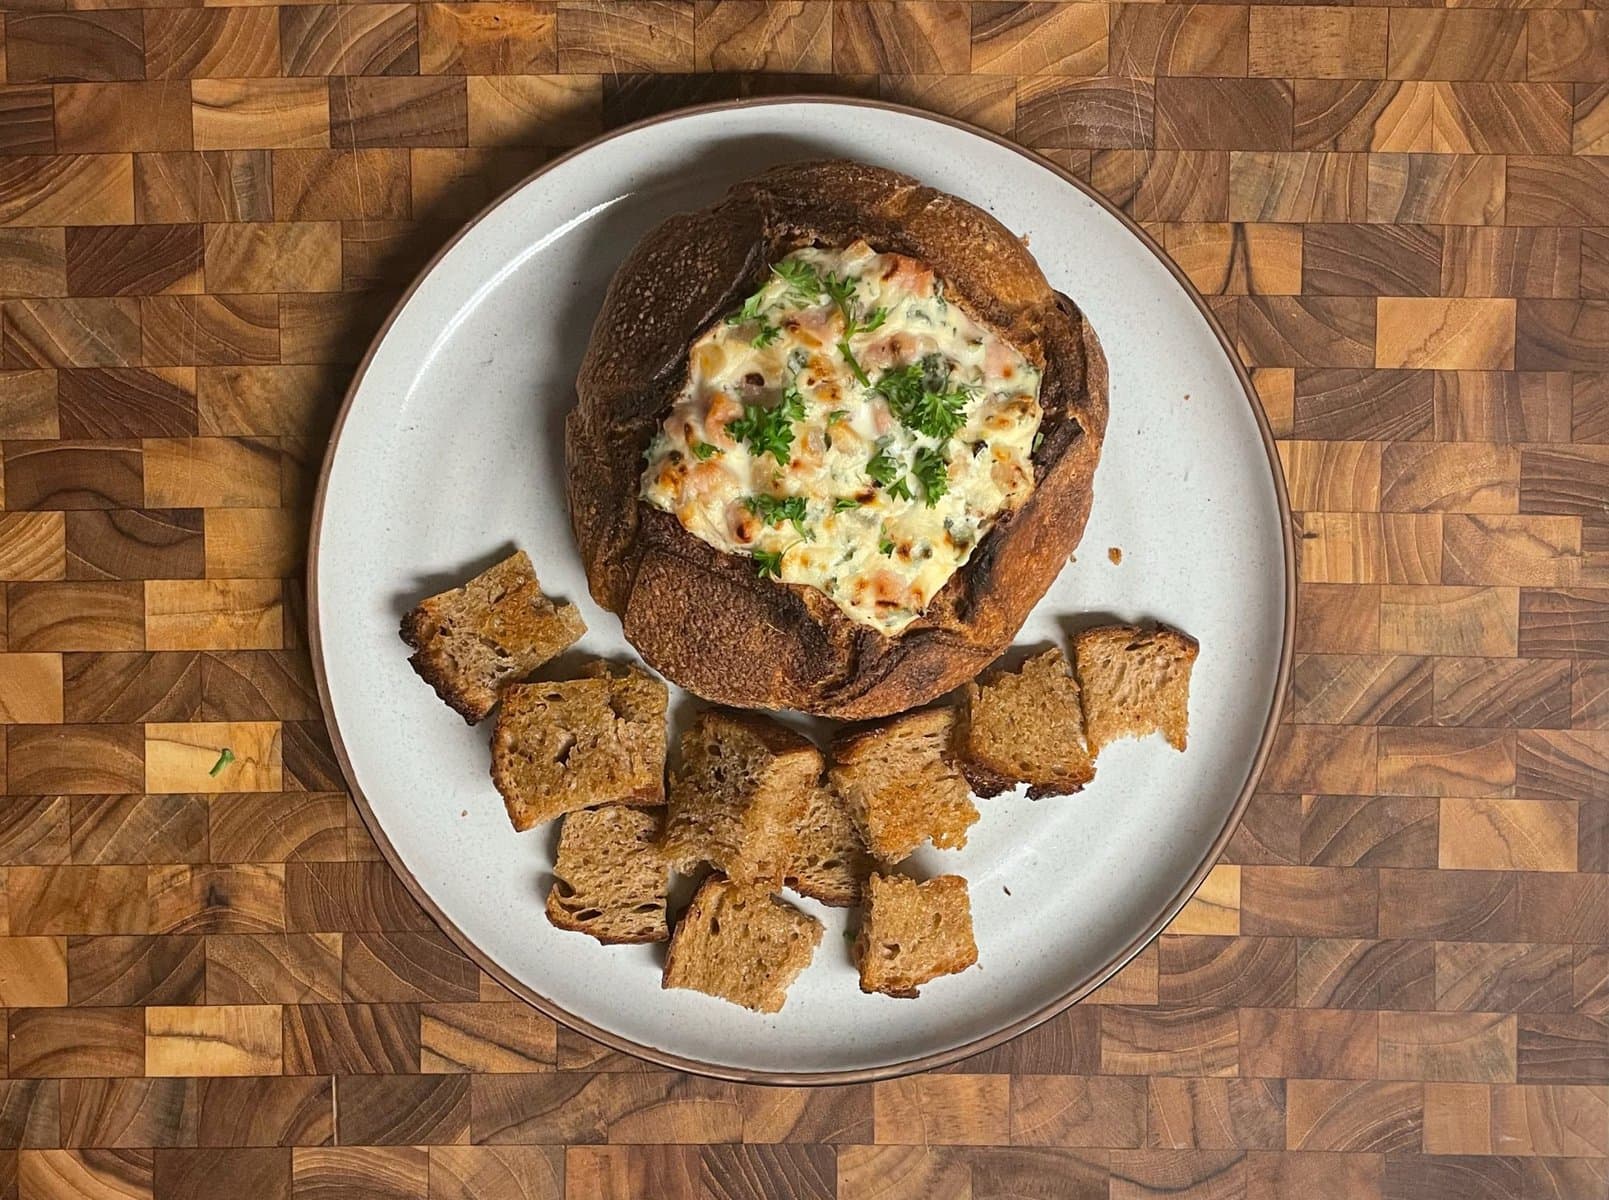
(851, 430)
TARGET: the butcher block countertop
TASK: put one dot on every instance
(1394, 987)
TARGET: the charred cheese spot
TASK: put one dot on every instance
(853, 513)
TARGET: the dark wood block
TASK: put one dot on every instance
(131, 687)
(1368, 831)
(423, 111)
(100, 402)
(1557, 1048)
(74, 759)
(27, 120)
(755, 1172)
(210, 899)
(1224, 114)
(1168, 1041)
(1226, 971)
(1088, 114)
(1353, 403)
(124, 1113)
(60, 1042)
(380, 1173)
(73, 474)
(62, 47)
(350, 1039)
(223, 43)
(278, 827)
(1309, 901)
(1334, 689)
(349, 896)
(135, 970)
(135, 543)
(265, 1112)
(406, 965)
(1369, 260)
(272, 968)
(34, 830)
(133, 260)
(494, 1038)
(209, 1174)
(327, 39)
(406, 1110)
(206, 185)
(30, 1113)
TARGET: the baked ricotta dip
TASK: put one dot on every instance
(849, 429)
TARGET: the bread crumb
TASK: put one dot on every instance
(1115, 554)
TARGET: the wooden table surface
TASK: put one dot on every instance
(1396, 986)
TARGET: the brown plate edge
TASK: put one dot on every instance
(924, 1062)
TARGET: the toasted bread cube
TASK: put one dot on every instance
(739, 794)
(901, 784)
(473, 642)
(1026, 727)
(831, 861)
(577, 744)
(741, 944)
(1135, 682)
(912, 932)
(610, 878)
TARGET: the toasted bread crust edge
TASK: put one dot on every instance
(560, 920)
(772, 645)
(416, 635)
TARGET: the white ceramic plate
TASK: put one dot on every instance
(449, 451)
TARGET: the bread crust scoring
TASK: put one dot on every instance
(701, 616)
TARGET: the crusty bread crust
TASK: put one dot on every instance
(701, 616)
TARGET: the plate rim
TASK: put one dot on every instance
(904, 1066)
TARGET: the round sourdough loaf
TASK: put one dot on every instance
(701, 616)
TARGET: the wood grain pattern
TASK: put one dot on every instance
(1394, 987)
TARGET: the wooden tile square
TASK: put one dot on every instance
(489, 37)
(183, 757)
(215, 1040)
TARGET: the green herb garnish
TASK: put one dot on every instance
(933, 472)
(768, 334)
(845, 504)
(882, 466)
(749, 312)
(802, 279)
(1039, 440)
(836, 415)
(225, 757)
(901, 489)
(885, 545)
(768, 563)
(770, 430)
(854, 363)
(841, 288)
(920, 396)
(774, 510)
(703, 451)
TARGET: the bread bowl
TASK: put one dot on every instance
(710, 584)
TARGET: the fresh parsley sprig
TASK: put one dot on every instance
(774, 510)
(768, 334)
(883, 467)
(932, 472)
(768, 563)
(750, 310)
(703, 451)
(804, 281)
(922, 399)
(770, 430)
